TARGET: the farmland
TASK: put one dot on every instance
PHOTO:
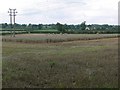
(54, 38)
(77, 61)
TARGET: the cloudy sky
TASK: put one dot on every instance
(63, 11)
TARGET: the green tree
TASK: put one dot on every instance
(60, 27)
(39, 26)
(4, 25)
(29, 27)
(66, 27)
(83, 25)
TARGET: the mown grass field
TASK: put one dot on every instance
(74, 64)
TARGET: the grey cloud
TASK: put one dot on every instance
(70, 11)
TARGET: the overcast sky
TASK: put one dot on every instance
(63, 11)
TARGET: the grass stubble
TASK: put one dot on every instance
(76, 64)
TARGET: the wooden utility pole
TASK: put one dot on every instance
(12, 13)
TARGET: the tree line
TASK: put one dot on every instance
(64, 28)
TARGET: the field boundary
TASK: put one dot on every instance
(55, 41)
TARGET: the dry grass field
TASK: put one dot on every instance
(54, 38)
(74, 64)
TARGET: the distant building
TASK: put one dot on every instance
(87, 28)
